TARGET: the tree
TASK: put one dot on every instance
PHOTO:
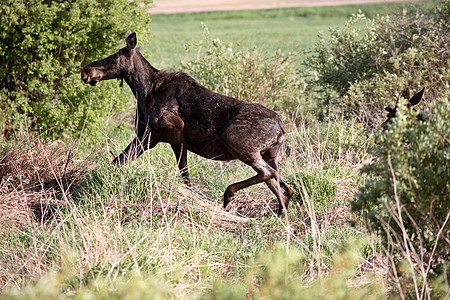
(406, 198)
(43, 45)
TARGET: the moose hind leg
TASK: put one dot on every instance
(274, 186)
(278, 187)
(264, 173)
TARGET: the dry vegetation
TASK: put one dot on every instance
(35, 178)
(38, 178)
(44, 190)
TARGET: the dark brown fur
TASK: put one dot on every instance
(176, 109)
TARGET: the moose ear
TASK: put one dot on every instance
(416, 98)
(388, 109)
(131, 40)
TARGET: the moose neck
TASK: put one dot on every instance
(141, 77)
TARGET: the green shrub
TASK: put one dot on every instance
(245, 74)
(43, 44)
(444, 12)
(323, 156)
(280, 274)
(364, 67)
(319, 183)
(406, 199)
(346, 56)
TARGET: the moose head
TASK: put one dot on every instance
(116, 65)
(393, 111)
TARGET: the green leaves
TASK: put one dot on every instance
(410, 175)
(346, 56)
(365, 65)
(43, 47)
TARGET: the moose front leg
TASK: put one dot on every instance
(140, 143)
(181, 155)
(132, 151)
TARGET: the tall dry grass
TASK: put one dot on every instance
(140, 224)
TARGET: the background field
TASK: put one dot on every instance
(183, 6)
(288, 29)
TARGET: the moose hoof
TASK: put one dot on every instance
(187, 182)
(227, 198)
(282, 212)
(120, 160)
(117, 162)
(288, 193)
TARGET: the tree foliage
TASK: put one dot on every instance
(407, 197)
(43, 45)
(366, 64)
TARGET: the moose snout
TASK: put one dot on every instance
(88, 77)
(84, 77)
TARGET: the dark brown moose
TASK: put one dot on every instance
(411, 102)
(175, 109)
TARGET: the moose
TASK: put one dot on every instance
(411, 102)
(174, 108)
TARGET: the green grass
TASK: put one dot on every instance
(287, 29)
(114, 232)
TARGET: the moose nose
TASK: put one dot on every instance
(84, 77)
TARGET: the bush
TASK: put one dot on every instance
(407, 197)
(280, 274)
(245, 74)
(369, 65)
(444, 12)
(324, 157)
(43, 45)
(346, 56)
(319, 184)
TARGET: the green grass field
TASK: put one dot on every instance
(287, 29)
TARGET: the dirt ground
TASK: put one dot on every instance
(178, 6)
